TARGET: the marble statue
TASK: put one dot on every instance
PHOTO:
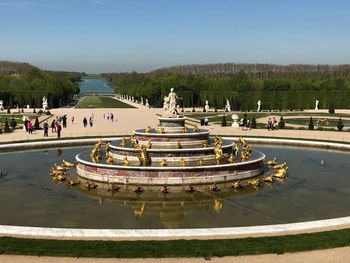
(316, 104)
(44, 103)
(228, 106)
(259, 105)
(147, 104)
(169, 104)
(142, 100)
(206, 107)
(1, 105)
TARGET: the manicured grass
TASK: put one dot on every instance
(176, 248)
(102, 102)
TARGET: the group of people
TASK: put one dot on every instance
(28, 125)
(56, 125)
(271, 124)
(109, 116)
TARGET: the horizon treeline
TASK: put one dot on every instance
(277, 86)
(24, 84)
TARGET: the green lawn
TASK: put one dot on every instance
(176, 248)
(102, 102)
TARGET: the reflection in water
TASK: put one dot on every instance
(28, 196)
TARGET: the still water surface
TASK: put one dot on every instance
(28, 196)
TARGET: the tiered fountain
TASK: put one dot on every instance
(171, 154)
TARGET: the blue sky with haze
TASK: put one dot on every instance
(124, 35)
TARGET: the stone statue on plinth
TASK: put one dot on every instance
(316, 104)
(206, 107)
(228, 106)
(44, 103)
(259, 105)
(169, 105)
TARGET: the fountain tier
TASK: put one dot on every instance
(176, 155)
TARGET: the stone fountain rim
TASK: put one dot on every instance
(228, 232)
(166, 135)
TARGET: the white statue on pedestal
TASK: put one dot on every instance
(147, 104)
(228, 106)
(206, 107)
(259, 105)
(142, 100)
(44, 104)
(316, 104)
(169, 104)
(235, 124)
(1, 105)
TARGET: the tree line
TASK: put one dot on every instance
(278, 87)
(23, 84)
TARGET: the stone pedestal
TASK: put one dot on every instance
(235, 124)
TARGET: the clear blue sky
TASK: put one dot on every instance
(124, 35)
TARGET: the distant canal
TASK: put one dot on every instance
(95, 86)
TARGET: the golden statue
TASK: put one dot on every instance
(164, 189)
(123, 142)
(163, 162)
(182, 162)
(189, 189)
(231, 159)
(269, 179)
(144, 158)
(214, 187)
(272, 162)
(237, 185)
(107, 147)
(109, 159)
(185, 129)
(236, 149)
(59, 177)
(254, 182)
(280, 166)
(126, 161)
(148, 129)
(242, 141)
(67, 164)
(217, 141)
(205, 144)
(132, 140)
(138, 189)
(179, 145)
(200, 162)
(148, 145)
(161, 130)
(219, 155)
(195, 128)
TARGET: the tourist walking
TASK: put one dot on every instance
(26, 124)
(30, 127)
(46, 129)
(91, 121)
(53, 126)
(58, 129)
(85, 122)
(112, 117)
(64, 121)
(72, 119)
(269, 124)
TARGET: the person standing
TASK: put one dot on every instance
(64, 121)
(46, 129)
(112, 116)
(58, 129)
(26, 124)
(91, 122)
(72, 119)
(53, 126)
(85, 122)
(30, 127)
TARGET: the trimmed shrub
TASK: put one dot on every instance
(8, 110)
(340, 124)
(13, 123)
(245, 119)
(7, 127)
(34, 110)
(224, 121)
(282, 123)
(331, 109)
(311, 124)
(48, 113)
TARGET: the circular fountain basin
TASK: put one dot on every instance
(311, 192)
